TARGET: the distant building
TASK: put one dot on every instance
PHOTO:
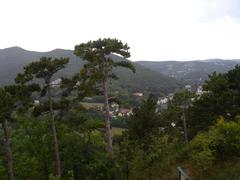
(56, 83)
(188, 87)
(200, 91)
(124, 112)
(114, 106)
(162, 101)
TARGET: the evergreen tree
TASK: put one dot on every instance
(222, 98)
(45, 69)
(99, 70)
(6, 108)
(145, 120)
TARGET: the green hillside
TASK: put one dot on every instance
(14, 59)
(190, 71)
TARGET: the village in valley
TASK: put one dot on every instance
(117, 110)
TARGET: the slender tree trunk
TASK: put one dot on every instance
(185, 125)
(8, 150)
(54, 134)
(108, 135)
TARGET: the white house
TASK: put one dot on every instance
(162, 101)
(56, 83)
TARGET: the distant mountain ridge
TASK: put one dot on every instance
(13, 60)
(193, 72)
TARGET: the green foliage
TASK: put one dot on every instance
(174, 112)
(62, 106)
(144, 121)
(99, 66)
(144, 152)
(98, 70)
(6, 105)
(41, 70)
(222, 99)
(119, 122)
(134, 162)
(82, 152)
(201, 153)
(147, 148)
(45, 68)
(221, 142)
(86, 156)
(31, 147)
(183, 98)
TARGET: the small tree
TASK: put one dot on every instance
(6, 108)
(145, 121)
(182, 100)
(99, 70)
(45, 69)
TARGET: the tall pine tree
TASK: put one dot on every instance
(98, 70)
(45, 69)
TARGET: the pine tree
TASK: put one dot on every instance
(99, 70)
(6, 108)
(45, 69)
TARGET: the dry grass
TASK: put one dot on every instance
(117, 131)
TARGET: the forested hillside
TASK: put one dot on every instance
(193, 72)
(14, 59)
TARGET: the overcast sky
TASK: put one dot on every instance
(154, 29)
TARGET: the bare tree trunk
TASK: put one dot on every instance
(108, 135)
(185, 125)
(8, 150)
(54, 134)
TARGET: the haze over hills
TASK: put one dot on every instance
(193, 72)
(15, 58)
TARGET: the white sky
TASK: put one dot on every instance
(154, 29)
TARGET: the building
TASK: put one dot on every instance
(56, 83)
(114, 106)
(188, 87)
(124, 112)
(200, 91)
(162, 101)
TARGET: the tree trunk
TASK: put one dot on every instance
(108, 136)
(185, 125)
(54, 134)
(8, 150)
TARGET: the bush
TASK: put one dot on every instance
(221, 142)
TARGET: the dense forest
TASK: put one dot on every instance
(47, 134)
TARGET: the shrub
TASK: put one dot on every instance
(221, 142)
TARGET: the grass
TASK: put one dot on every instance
(225, 171)
(117, 131)
(98, 106)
